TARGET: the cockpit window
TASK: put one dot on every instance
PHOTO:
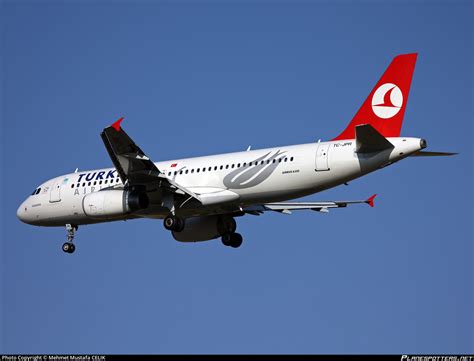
(36, 191)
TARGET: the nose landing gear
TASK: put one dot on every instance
(69, 247)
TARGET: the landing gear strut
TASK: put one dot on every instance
(173, 223)
(68, 246)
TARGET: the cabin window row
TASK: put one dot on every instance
(112, 181)
(227, 166)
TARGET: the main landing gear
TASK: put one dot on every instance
(232, 239)
(68, 246)
(173, 223)
(229, 236)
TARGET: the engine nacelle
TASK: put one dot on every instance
(113, 203)
(205, 228)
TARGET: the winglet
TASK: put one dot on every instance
(370, 201)
(116, 125)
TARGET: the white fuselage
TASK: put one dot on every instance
(250, 177)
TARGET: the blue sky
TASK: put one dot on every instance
(196, 78)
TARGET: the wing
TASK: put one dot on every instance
(130, 161)
(287, 207)
(132, 164)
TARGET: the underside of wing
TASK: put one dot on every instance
(287, 207)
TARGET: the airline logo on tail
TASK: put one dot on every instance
(385, 105)
(387, 101)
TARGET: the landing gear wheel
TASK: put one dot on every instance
(173, 223)
(236, 240)
(232, 239)
(69, 247)
(227, 239)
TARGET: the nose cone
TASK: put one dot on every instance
(22, 213)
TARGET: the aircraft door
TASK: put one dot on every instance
(322, 159)
(55, 192)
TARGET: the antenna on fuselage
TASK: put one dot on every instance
(249, 148)
(76, 170)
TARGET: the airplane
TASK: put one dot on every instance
(199, 198)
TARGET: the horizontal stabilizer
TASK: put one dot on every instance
(431, 154)
(369, 140)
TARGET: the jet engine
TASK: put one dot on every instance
(205, 228)
(113, 203)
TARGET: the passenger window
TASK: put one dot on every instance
(192, 170)
(232, 166)
(286, 159)
(209, 169)
(245, 164)
(227, 166)
(106, 181)
(261, 162)
(169, 174)
(268, 161)
(175, 173)
(186, 171)
(72, 185)
(279, 160)
(291, 159)
(89, 183)
(100, 182)
(221, 167)
(180, 172)
(274, 160)
(197, 170)
(238, 165)
(84, 184)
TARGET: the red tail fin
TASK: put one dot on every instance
(385, 106)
